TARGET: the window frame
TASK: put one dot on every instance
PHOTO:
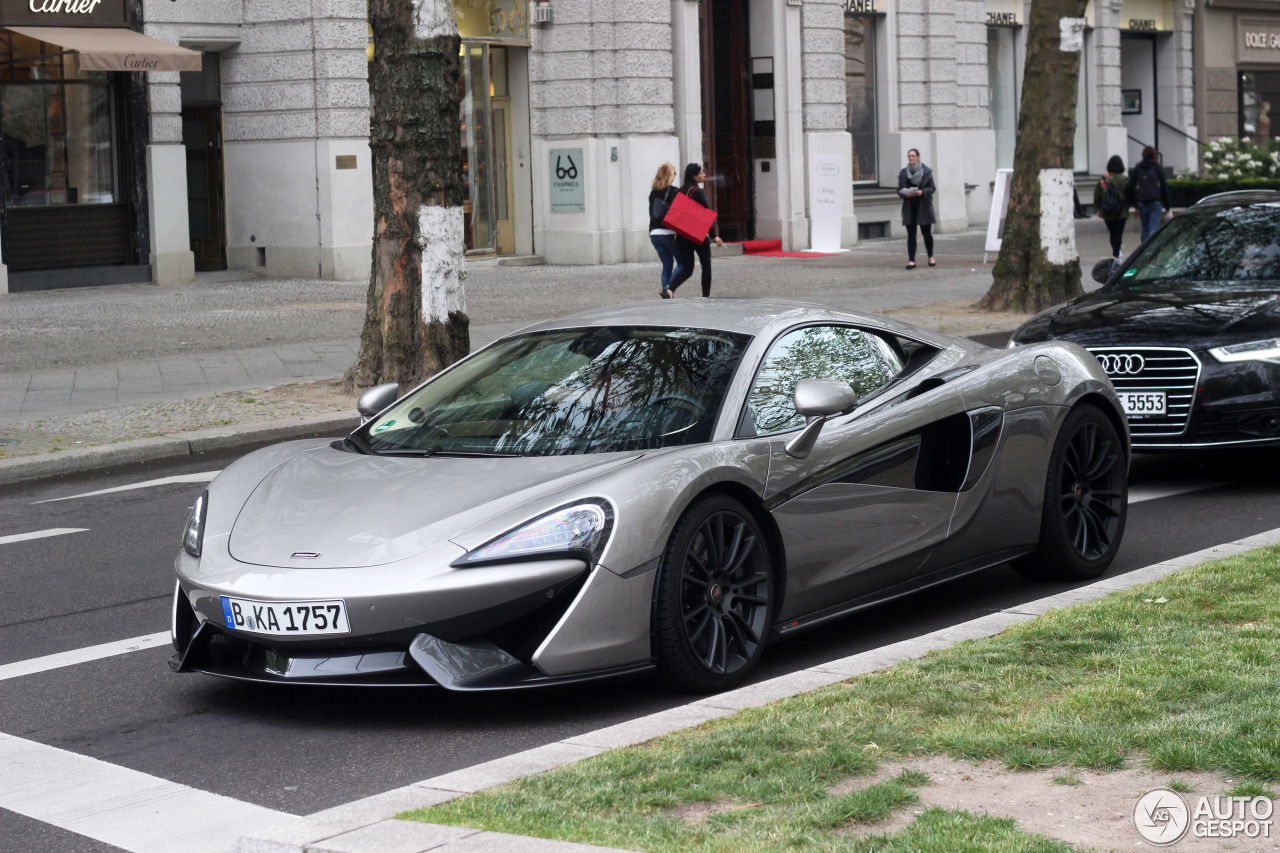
(893, 339)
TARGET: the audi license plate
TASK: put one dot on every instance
(1142, 402)
(286, 618)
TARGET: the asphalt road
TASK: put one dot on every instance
(299, 750)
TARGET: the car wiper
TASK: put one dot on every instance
(359, 444)
(478, 453)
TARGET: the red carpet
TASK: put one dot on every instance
(773, 249)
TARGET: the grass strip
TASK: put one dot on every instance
(1179, 675)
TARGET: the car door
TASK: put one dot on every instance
(862, 511)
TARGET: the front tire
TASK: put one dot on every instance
(714, 598)
(1086, 501)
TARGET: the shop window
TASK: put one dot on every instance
(1002, 83)
(491, 19)
(860, 95)
(1259, 101)
(58, 125)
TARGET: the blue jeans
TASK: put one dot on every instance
(666, 246)
(1149, 215)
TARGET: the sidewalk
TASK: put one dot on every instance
(94, 366)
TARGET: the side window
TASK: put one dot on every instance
(863, 359)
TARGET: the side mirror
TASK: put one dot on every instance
(1102, 270)
(376, 399)
(818, 400)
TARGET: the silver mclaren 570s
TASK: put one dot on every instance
(667, 485)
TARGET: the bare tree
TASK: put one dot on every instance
(415, 320)
(1038, 264)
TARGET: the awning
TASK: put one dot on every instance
(116, 49)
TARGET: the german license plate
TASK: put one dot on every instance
(1142, 402)
(286, 618)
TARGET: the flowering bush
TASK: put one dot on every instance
(1228, 158)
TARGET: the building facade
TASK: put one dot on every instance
(801, 110)
(1237, 45)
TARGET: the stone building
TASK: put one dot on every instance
(802, 111)
(1237, 48)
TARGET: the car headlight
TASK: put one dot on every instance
(193, 536)
(1268, 350)
(578, 530)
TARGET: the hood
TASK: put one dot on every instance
(1187, 318)
(355, 511)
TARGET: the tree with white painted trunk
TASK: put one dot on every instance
(1038, 264)
(415, 320)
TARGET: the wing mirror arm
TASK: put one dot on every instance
(818, 400)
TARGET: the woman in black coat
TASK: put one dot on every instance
(694, 175)
(915, 185)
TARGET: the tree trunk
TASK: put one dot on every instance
(1038, 264)
(415, 320)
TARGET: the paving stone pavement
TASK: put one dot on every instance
(89, 349)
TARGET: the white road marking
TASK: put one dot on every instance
(132, 810)
(1151, 493)
(41, 534)
(202, 477)
(75, 656)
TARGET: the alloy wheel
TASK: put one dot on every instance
(1092, 496)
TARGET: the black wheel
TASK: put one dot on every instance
(715, 594)
(1086, 501)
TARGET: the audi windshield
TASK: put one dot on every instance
(1236, 249)
(592, 390)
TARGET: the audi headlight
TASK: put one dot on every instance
(1268, 350)
(193, 536)
(579, 530)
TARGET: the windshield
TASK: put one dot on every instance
(593, 390)
(1231, 250)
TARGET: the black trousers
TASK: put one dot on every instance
(1116, 227)
(927, 231)
(684, 254)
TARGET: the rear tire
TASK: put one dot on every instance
(714, 598)
(1086, 501)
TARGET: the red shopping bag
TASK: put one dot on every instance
(689, 219)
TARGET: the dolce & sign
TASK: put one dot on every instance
(1262, 40)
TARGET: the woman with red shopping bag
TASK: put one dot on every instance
(687, 223)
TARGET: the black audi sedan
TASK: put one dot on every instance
(1188, 326)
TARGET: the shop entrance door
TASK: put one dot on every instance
(202, 137)
(726, 132)
(486, 142)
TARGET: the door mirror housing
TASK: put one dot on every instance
(1102, 270)
(376, 399)
(818, 400)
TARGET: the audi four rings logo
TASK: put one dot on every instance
(1122, 363)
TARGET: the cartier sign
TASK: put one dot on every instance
(64, 13)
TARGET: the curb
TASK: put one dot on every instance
(369, 824)
(178, 444)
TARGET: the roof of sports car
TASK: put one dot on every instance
(749, 316)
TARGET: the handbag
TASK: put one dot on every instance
(659, 206)
(689, 219)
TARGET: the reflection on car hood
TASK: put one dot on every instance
(355, 511)
(1186, 318)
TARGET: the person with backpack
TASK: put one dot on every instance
(1109, 200)
(1149, 191)
(663, 238)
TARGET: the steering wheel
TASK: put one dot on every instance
(685, 412)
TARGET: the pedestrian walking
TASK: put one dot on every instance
(694, 176)
(1149, 191)
(663, 238)
(1109, 200)
(915, 185)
